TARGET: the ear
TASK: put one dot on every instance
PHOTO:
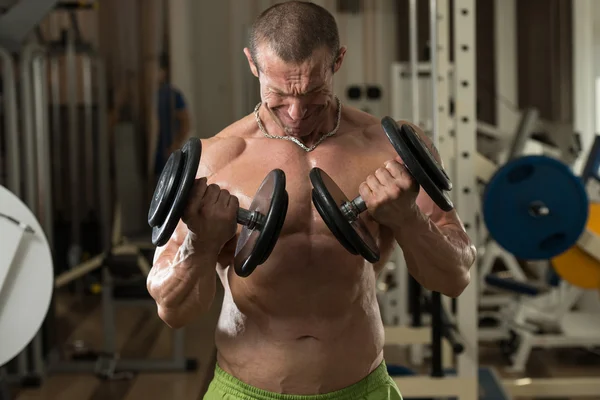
(339, 59)
(253, 66)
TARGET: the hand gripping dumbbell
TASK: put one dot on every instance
(262, 221)
(343, 216)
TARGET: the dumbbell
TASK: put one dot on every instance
(262, 221)
(343, 216)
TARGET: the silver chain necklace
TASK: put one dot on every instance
(295, 140)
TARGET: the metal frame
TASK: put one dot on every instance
(505, 38)
(414, 59)
(441, 94)
(419, 336)
(13, 159)
(583, 80)
(457, 138)
(466, 196)
(20, 19)
(109, 364)
(38, 184)
(38, 194)
(552, 307)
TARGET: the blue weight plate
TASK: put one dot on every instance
(535, 207)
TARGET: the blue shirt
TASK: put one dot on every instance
(170, 101)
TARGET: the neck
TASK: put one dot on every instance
(327, 123)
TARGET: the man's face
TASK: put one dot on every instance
(297, 94)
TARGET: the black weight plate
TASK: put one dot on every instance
(278, 227)
(190, 155)
(328, 198)
(413, 165)
(426, 158)
(254, 245)
(331, 223)
(165, 190)
(405, 137)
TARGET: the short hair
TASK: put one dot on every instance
(294, 30)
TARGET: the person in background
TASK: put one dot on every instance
(172, 115)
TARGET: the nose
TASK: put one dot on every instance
(296, 110)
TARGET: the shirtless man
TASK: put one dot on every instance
(307, 321)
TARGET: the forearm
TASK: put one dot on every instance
(439, 258)
(184, 284)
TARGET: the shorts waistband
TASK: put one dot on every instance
(231, 385)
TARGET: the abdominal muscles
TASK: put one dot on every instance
(308, 315)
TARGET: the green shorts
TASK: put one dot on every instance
(378, 385)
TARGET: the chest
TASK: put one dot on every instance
(347, 163)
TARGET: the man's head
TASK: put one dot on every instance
(294, 50)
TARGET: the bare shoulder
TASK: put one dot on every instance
(366, 125)
(218, 151)
(359, 118)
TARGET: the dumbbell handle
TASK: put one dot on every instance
(352, 209)
(250, 219)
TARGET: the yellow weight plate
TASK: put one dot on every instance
(575, 265)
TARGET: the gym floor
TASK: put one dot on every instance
(141, 334)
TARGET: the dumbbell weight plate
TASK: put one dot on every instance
(278, 226)
(255, 245)
(171, 193)
(166, 183)
(419, 161)
(407, 136)
(354, 236)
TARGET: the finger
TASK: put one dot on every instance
(233, 206)
(373, 183)
(365, 192)
(196, 197)
(396, 169)
(224, 196)
(384, 177)
(199, 187)
(212, 194)
(233, 203)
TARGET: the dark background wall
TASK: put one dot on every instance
(544, 51)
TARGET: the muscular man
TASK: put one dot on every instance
(307, 321)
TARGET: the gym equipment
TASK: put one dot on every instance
(576, 265)
(122, 272)
(533, 136)
(20, 19)
(535, 207)
(11, 123)
(544, 316)
(262, 221)
(342, 215)
(26, 275)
